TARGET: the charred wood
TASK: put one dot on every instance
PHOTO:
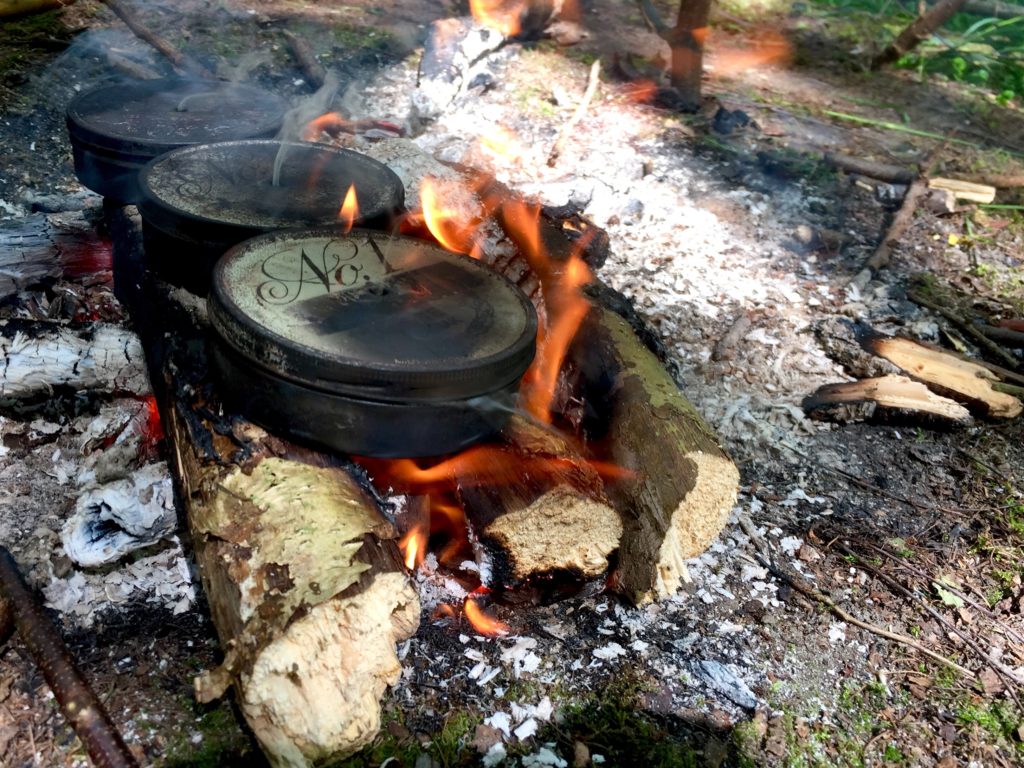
(37, 356)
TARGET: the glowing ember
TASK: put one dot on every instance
(502, 15)
(450, 222)
(349, 209)
(414, 547)
(331, 123)
(482, 622)
(154, 429)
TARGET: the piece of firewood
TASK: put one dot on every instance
(36, 356)
(964, 190)
(79, 705)
(894, 174)
(301, 571)
(537, 507)
(47, 246)
(684, 485)
(948, 374)
(306, 59)
(897, 395)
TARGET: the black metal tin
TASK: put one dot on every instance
(199, 201)
(117, 129)
(368, 344)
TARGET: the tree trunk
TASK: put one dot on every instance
(918, 30)
(686, 41)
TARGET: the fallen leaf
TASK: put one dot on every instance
(947, 597)
(991, 684)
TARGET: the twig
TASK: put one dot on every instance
(77, 701)
(894, 585)
(800, 585)
(967, 327)
(306, 59)
(588, 95)
(178, 60)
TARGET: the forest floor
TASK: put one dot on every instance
(706, 217)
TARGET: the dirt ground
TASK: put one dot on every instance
(909, 528)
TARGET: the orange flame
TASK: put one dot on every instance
(331, 123)
(641, 92)
(414, 546)
(770, 48)
(483, 622)
(349, 211)
(502, 142)
(450, 224)
(502, 15)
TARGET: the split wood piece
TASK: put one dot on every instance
(684, 484)
(307, 61)
(964, 190)
(181, 63)
(893, 174)
(24, 7)
(48, 246)
(36, 356)
(860, 400)
(946, 373)
(919, 29)
(77, 702)
(303, 578)
(539, 508)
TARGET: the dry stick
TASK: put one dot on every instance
(78, 703)
(800, 585)
(141, 31)
(306, 59)
(588, 95)
(894, 174)
(967, 327)
(894, 585)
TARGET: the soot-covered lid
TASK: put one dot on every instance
(264, 185)
(372, 316)
(155, 116)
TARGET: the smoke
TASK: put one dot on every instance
(296, 119)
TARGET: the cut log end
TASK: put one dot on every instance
(561, 530)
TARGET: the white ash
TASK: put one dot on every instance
(112, 520)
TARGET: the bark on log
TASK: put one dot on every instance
(303, 578)
(896, 396)
(947, 374)
(44, 247)
(685, 484)
(920, 29)
(37, 356)
(539, 508)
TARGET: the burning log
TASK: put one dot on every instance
(38, 356)
(946, 373)
(889, 395)
(304, 581)
(636, 417)
(45, 247)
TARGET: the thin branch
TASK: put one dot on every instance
(77, 701)
(581, 109)
(172, 54)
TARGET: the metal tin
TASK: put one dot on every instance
(368, 344)
(117, 129)
(199, 201)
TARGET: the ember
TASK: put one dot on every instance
(502, 15)
(481, 621)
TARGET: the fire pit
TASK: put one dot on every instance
(117, 129)
(368, 344)
(199, 201)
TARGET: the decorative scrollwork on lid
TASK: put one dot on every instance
(292, 272)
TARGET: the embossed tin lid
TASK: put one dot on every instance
(372, 316)
(211, 191)
(151, 117)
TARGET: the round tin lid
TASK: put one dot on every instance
(232, 184)
(372, 316)
(155, 116)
